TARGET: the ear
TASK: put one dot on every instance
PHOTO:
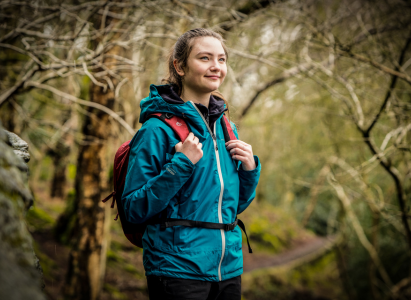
(179, 70)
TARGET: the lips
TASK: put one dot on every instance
(213, 77)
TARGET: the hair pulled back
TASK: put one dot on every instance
(181, 51)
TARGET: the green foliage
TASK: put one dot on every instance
(113, 256)
(393, 253)
(271, 229)
(85, 87)
(47, 264)
(111, 173)
(45, 167)
(64, 227)
(133, 270)
(72, 169)
(323, 219)
(114, 292)
(39, 219)
(11, 56)
(116, 260)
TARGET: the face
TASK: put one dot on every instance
(206, 66)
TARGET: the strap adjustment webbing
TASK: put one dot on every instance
(192, 223)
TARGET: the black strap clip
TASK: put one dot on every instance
(229, 227)
(168, 115)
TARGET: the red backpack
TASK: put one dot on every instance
(134, 232)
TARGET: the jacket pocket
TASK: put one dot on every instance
(196, 239)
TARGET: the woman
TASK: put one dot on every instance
(205, 180)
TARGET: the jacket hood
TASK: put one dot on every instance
(164, 99)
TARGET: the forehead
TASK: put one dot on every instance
(207, 44)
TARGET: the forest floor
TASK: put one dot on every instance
(125, 273)
(302, 251)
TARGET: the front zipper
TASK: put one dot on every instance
(220, 203)
(220, 199)
(208, 127)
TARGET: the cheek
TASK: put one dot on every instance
(197, 69)
(201, 70)
(223, 72)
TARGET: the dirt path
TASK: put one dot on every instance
(303, 252)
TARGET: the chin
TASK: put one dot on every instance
(212, 88)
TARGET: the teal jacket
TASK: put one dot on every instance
(216, 189)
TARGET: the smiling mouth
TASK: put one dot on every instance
(213, 77)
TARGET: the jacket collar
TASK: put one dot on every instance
(172, 103)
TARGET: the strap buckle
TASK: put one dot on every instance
(229, 227)
(168, 115)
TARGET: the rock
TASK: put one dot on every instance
(20, 147)
(20, 275)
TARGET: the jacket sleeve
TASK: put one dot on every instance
(248, 181)
(151, 181)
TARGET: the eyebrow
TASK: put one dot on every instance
(205, 52)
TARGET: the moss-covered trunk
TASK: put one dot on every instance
(88, 254)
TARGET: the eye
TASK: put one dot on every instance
(222, 59)
(204, 58)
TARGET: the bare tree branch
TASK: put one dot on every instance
(254, 57)
(119, 86)
(379, 66)
(359, 117)
(392, 86)
(7, 94)
(395, 175)
(83, 102)
(281, 78)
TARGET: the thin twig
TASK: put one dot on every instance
(104, 86)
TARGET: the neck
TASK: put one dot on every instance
(189, 95)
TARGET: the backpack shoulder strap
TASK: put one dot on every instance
(228, 131)
(178, 124)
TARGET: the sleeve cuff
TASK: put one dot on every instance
(182, 161)
(256, 170)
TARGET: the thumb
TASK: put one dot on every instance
(179, 146)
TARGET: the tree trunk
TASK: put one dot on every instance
(87, 257)
(59, 156)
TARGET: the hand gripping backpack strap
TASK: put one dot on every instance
(228, 133)
(227, 130)
(134, 232)
(176, 123)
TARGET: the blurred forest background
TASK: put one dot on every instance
(321, 89)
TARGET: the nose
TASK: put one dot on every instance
(215, 66)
